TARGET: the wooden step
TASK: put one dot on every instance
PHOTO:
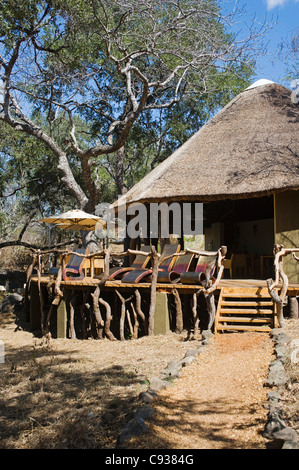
(244, 328)
(245, 292)
(244, 309)
(253, 303)
(245, 319)
(242, 295)
(257, 311)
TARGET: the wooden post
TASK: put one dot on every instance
(35, 313)
(62, 314)
(27, 288)
(293, 302)
(153, 295)
(161, 324)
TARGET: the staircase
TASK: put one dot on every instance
(245, 309)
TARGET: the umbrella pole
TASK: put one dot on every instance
(107, 233)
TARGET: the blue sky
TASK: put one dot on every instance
(286, 14)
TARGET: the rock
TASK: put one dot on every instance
(149, 396)
(11, 300)
(286, 434)
(191, 352)
(134, 428)
(283, 339)
(290, 445)
(277, 375)
(205, 341)
(275, 423)
(276, 365)
(206, 334)
(188, 360)
(275, 331)
(158, 384)
(172, 370)
(280, 352)
(275, 396)
(276, 379)
(145, 412)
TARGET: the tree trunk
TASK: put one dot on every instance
(90, 241)
(136, 322)
(130, 323)
(179, 312)
(120, 173)
(58, 296)
(195, 316)
(108, 319)
(72, 316)
(27, 288)
(122, 315)
(97, 312)
(140, 312)
(210, 300)
(83, 309)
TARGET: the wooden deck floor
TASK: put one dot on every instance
(293, 289)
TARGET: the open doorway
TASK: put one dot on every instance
(246, 227)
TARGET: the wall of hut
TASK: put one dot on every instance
(287, 229)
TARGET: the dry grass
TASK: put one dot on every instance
(73, 393)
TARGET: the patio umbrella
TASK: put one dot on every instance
(76, 220)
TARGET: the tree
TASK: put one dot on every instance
(78, 74)
(289, 54)
(154, 137)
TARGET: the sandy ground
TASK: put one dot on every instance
(217, 403)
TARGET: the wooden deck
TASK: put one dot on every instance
(242, 304)
(293, 289)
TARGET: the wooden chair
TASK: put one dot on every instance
(140, 262)
(239, 266)
(204, 270)
(75, 268)
(181, 265)
(138, 275)
(228, 264)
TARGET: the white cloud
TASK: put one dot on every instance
(275, 3)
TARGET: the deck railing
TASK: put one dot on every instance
(207, 288)
(280, 300)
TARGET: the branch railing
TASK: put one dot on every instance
(207, 288)
(280, 300)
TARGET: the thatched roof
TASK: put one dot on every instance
(250, 148)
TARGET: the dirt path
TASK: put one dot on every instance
(218, 401)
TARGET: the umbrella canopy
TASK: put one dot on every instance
(76, 220)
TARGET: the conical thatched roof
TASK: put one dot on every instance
(250, 148)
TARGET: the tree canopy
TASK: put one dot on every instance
(85, 78)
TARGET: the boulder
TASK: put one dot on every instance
(11, 301)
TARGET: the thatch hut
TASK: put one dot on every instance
(243, 165)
